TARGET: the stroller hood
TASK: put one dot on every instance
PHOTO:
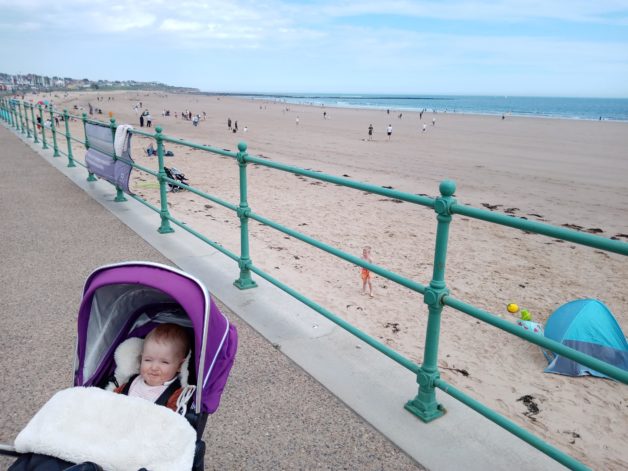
(125, 298)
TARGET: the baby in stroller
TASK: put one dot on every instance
(148, 331)
(164, 351)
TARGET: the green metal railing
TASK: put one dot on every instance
(436, 295)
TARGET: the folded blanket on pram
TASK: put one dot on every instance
(115, 431)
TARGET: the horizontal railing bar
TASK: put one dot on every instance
(215, 245)
(214, 150)
(77, 140)
(140, 167)
(512, 427)
(400, 195)
(185, 227)
(142, 133)
(413, 285)
(79, 162)
(209, 197)
(544, 229)
(390, 353)
(95, 121)
(541, 341)
(144, 202)
(183, 142)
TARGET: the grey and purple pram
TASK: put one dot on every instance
(128, 300)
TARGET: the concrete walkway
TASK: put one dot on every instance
(273, 414)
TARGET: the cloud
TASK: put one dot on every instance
(612, 12)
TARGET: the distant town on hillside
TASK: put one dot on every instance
(35, 83)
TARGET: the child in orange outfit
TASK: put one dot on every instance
(365, 273)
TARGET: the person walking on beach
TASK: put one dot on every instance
(149, 120)
(424, 128)
(297, 120)
(142, 120)
(365, 274)
(229, 123)
(370, 132)
(433, 121)
(389, 131)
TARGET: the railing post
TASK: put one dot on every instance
(424, 405)
(119, 193)
(53, 129)
(28, 129)
(34, 122)
(6, 103)
(90, 176)
(165, 227)
(68, 139)
(19, 111)
(43, 128)
(244, 281)
(12, 115)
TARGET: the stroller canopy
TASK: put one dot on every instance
(586, 325)
(128, 299)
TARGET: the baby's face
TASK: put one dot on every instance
(160, 363)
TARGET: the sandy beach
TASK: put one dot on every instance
(564, 172)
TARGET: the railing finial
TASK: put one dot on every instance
(447, 187)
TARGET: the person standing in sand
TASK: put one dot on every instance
(389, 131)
(297, 120)
(365, 274)
(370, 132)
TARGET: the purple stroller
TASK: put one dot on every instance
(128, 300)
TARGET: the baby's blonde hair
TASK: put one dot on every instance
(171, 334)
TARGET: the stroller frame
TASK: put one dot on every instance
(144, 288)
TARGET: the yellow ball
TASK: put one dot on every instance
(512, 308)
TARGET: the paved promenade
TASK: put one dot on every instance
(302, 395)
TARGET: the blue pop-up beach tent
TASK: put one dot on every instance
(588, 326)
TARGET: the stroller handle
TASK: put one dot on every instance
(8, 450)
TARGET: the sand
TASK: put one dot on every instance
(563, 172)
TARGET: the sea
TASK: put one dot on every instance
(612, 109)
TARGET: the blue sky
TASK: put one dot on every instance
(508, 47)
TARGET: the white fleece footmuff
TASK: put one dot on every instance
(120, 433)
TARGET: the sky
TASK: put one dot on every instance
(469, 47)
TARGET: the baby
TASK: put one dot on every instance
(163, 353)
